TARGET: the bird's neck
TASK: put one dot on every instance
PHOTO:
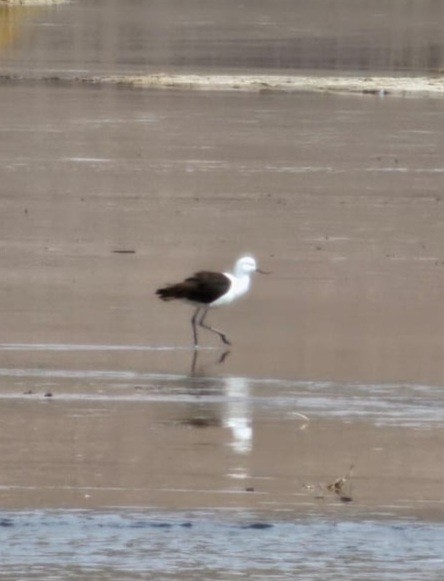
(242, 281)
(239, 273)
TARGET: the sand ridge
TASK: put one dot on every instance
(379, 86)
(373, 85)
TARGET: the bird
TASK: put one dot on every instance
(207, 289)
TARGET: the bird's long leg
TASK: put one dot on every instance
(193, 324)
(208, 328)
(194, 361)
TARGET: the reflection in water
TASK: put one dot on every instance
(234, 414)
(195, 356)
(237, 413)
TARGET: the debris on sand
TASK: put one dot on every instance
(342, 486)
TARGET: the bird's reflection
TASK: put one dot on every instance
(237, 414)
(222, 402)
(221, 358)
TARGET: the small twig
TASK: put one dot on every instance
(342, 486)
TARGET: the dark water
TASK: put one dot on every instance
(133, 545)
(109, 36)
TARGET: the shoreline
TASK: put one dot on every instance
(381, 86)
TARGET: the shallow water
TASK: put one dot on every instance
(415, 406)
(119, 437)
(129, 545)
(107, 36)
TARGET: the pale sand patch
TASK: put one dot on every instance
(398, 86)
(31, 2)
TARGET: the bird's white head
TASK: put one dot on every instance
(245, 265)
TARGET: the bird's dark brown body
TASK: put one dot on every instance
(203, 287)
(206, 289)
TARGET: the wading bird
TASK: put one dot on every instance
(206, 289)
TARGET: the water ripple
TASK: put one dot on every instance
(142, 545)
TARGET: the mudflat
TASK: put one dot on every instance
(111, 192)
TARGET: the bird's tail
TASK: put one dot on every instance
(168, 293)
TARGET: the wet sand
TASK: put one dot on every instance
(342, 202)
(104, 439)
(349, 227)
